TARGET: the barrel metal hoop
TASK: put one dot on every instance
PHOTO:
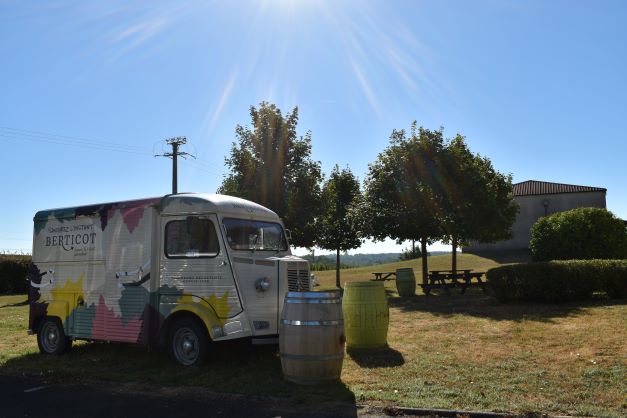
(312, 358)
(313, 301)
(310, 323)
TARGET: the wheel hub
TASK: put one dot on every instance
(188, 346)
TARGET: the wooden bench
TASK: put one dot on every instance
(382, 276)
(445, 279)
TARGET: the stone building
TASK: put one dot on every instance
(537, 199)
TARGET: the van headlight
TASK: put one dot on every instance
(262, 284)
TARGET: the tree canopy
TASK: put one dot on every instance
(271, 165)
(425, 188)
(340, 226)
(478, 200)
(404, 190)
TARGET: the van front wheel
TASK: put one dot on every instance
(188, 343)
(51, 339)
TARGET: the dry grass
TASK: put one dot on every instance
(469, 352)
(459, 352)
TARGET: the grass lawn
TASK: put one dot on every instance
(460, 352)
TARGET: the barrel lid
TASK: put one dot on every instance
(333, 294)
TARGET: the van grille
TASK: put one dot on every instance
(298, 280)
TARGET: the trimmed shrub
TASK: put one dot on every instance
(558, 281)
(582, 234)
(13, 276)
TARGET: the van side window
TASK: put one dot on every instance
(193, 237)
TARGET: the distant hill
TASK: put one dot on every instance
(358, 260)
(354, 260)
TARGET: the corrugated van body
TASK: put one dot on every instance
(129, 271)
(91, 268)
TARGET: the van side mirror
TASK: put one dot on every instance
(288, 234)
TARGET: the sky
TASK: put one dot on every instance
(89, 90)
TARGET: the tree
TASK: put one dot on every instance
(410, 253)
(478, 200)
(404, 190)
(269, 164)
(582, 233)
(339, 226)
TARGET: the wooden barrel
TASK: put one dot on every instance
(405, 282)
(311, 337)
(366, 314)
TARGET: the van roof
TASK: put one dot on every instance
(180, 203)
(217, 203)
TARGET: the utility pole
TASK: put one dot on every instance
(175, 142)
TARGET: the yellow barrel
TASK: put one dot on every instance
(366, 314)
(405, 282)
(311, 337)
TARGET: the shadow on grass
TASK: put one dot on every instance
(12, 305)
(376, 357)
(234, 367)
(507, 257)
(475, 303)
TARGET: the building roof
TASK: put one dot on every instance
(534, 187)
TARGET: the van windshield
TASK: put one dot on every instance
(244, 234)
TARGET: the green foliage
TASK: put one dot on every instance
(272, 166)
(478, 204)
(339, 225)
(403, 197)
(582, 233)
(425, 188)
(403, 191)
(13, 274)
(410, 253)
(559, 281)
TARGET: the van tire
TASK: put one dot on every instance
(51, 338)
(188, 342)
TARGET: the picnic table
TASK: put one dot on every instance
(446, 279)
(382, 276)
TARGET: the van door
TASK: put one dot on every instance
(254, 245)
(194, 268)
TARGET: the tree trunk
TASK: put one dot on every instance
(454, 255)
(425, 268)
(337, 269)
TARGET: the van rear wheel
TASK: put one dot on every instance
(51, 338)
(188, 343)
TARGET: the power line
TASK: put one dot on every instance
(35, 136)
(8, 133)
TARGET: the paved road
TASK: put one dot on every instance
(30, 397)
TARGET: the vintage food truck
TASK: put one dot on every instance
(183, 271)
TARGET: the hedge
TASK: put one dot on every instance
(581, 234)
(13, 276)
(559, 281)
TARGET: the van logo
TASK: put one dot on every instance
(81, 237)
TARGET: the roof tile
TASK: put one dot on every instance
(534, 187)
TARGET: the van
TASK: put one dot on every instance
(182, 271)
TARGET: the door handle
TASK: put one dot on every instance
(222, 263)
